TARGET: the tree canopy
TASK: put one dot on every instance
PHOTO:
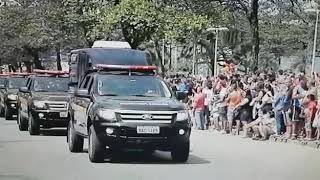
(260, 31)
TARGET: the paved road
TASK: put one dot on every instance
(213, 156)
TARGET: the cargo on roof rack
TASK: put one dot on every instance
(111, 44)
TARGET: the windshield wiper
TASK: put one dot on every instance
(41, 90)
(109, 95)
(142, 95)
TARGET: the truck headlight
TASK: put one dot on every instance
(12, 97)
(182, 116)
(39, 104)
(107, 114)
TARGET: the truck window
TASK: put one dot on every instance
(85, 83)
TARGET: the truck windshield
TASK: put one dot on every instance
(2, 81)
(51, 84)
(16, 83)
(141, 86)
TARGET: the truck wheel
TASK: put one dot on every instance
(180, 152)
(75, 142)
(96, 149)
(33, 125)
(22, 122)
(7, 114)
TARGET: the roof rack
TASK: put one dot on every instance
(40, 72)
(16, 74)
(21, 74)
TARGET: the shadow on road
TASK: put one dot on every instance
(54, 132)
(15, 177)
(158, 157)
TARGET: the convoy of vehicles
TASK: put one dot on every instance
(8, 93)
(111, 96)
(43, 102)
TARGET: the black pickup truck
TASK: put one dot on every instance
(127, 107)
(43, 102)
(8, 95)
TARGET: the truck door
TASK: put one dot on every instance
(80, 107)
(23, 99)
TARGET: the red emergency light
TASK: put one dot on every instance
(126, 67)
(4, 75)
(21, 74)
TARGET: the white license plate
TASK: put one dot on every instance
(63, 114)
(148, 130)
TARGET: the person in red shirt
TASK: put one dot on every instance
(310, 112)
(198, 108)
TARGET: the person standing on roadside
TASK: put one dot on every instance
(299, 93)
(221, 102)
(208, 92)
(233, 101)
(285, 107)
(198, 108)
(282, 106)
(310, 113)
(245, 111)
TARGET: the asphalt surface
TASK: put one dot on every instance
(213, 156)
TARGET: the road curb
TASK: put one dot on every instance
(312, 144)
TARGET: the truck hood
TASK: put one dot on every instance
(139, 103)
(51, 96)
(12, 91)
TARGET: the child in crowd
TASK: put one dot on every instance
(310, 113)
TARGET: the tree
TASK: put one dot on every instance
(137, 19)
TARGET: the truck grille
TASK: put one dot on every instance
(147, 116)
(58, 106)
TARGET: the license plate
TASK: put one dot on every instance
(63, 114)
(148, 130)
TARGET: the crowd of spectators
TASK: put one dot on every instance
(261, 104)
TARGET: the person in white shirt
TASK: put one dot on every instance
(208, 92)
(221, 103)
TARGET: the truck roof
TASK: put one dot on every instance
(116, 56)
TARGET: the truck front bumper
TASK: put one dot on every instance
(50, 118)
(12, 107)
(125, 136)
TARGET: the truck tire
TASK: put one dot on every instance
(96, 149)
(22, 122)
(7, 114)
(33, 125)
(180, 152)
(75, 142)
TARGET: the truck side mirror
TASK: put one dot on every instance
(2, 86)
(180, 95)
(24, 89)
(82, 93)
(72, 83)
